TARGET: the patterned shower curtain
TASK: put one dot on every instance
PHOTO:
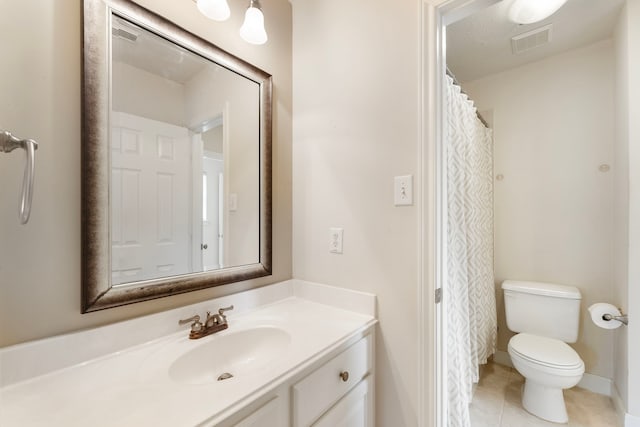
(469, 292)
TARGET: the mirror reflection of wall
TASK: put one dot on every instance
(185, 167)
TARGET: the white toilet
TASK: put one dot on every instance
(546, 317)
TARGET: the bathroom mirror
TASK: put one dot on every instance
(176, 160)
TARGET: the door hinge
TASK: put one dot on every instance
(438, 295)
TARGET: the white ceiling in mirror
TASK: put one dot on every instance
(144, 50)
(480, 44)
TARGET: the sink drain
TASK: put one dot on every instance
(225, 376)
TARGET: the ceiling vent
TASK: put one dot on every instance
(124, 30)
(127, 35)
(531, 39)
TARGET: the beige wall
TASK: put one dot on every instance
(553, 125)
(357, 125)
(208, 94)
(633, 332)
(212, 140)
(40, 99)
(133, 88)
(627, 291)
(620, 294)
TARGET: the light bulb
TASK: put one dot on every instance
(530, 11)
(252, 30)
(218, 10)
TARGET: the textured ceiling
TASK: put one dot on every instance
(480, 44)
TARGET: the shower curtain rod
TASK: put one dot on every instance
(455, 81)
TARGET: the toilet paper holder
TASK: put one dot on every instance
(623, 318)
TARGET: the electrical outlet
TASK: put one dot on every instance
(403, 190)
(335, 240)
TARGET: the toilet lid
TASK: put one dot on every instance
(545, 351)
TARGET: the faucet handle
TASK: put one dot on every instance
(215, 319)
(222, 310)
(195, 326)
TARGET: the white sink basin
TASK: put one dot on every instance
(237, 353)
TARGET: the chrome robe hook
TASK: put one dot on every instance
(8, 143)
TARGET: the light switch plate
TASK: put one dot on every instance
(335, 240)
(403, 190)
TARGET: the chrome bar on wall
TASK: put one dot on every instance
(8, 143)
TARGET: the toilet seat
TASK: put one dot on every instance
(546, 353)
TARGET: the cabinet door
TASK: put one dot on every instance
(268, 415)
(353, 410)
(273, 413)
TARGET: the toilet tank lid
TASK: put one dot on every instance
(539, 288)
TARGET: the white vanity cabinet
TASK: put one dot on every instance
(300, 355)
(328, 393)
(271, 411)
(353, 410)
(337, 390)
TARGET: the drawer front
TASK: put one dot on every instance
(317, 392)
(353, 410)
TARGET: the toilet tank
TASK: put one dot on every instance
(545, 309)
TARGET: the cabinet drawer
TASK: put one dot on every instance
(353, 410)
(317, 392)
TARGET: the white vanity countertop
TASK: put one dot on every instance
(132, 387)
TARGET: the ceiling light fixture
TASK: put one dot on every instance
(530, 11)
(252, 30)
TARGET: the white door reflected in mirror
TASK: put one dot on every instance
(149, 218)
(174, 161)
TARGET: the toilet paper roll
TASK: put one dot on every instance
(599, 309)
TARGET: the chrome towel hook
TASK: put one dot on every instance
(8, 143)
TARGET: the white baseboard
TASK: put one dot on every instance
(631, 421)
(589, 382)
(596, 384)
(628, 420)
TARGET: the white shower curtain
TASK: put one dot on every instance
(469, 292)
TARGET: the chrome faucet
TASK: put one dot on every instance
(214, 323)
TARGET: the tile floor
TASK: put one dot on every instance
(496, 403)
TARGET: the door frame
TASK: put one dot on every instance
(436, 15)
(198, 151)
(220, 203)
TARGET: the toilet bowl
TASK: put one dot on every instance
(548, 366)
(545, 316)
